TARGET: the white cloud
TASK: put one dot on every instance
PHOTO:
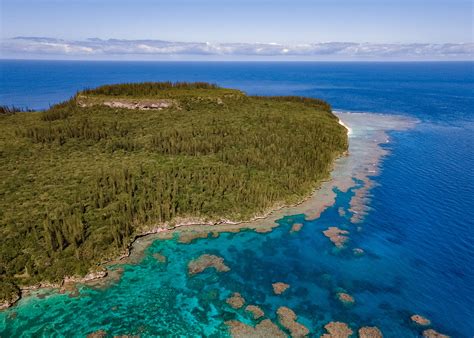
(98, 48)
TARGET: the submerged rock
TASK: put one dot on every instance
(188, 237)
(420, 320)
(255, 310)
(159, 257)
(337, 330)
(341, 211)
(345, 298)
(205, 261)
(430, 333)
(296, 227)
(68, 287)
(287, 319)
(97, 334)
(263, 230)
(370, 332)
(236, 301)
(279, 287)
(336, 236)
(266, 328)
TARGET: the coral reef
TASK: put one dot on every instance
(188, 237)
(159, 257)
(370, 332)
(279, 287)
(337, 330)
(420, 320)
(345, 298)
(236, 301)
(266, 328)
(430, 333)
(97, 334)
(336, 236)
(287, 319)
(255, 310)
(205, 261)
(296, 227)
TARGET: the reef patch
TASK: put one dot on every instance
(280, 287)
(337, 330)
(206, 261)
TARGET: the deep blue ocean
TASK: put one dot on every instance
(418, 235)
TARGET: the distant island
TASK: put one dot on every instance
(82, 179)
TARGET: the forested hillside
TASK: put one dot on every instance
(82, 178)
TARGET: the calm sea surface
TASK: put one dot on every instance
(418, 235)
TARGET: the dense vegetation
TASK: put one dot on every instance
(80, 180)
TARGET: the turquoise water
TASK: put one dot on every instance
(417, 236)
(154, 298)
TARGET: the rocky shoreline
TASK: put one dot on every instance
(341, 177)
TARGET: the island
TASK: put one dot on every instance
(82, 179)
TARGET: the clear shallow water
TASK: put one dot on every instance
(417, 236)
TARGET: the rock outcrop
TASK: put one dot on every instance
(10, 300)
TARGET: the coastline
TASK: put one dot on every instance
(366, 133)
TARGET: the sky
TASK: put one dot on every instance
(292, 29)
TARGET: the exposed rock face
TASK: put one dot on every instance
(141, 105)
(279, 287)
(370, 332)
(205, 261)
(236, 300)
(287, 319)
(336, 236)
(345, 298)
(6, 303)
(337, 330)
(188, 237)
(420, 320)
(97, 334)
(159, 257)
(430, 333)
(296, 227)
(255, 310)
(265, 329)
(90, 276)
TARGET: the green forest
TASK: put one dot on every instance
(81, 179)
